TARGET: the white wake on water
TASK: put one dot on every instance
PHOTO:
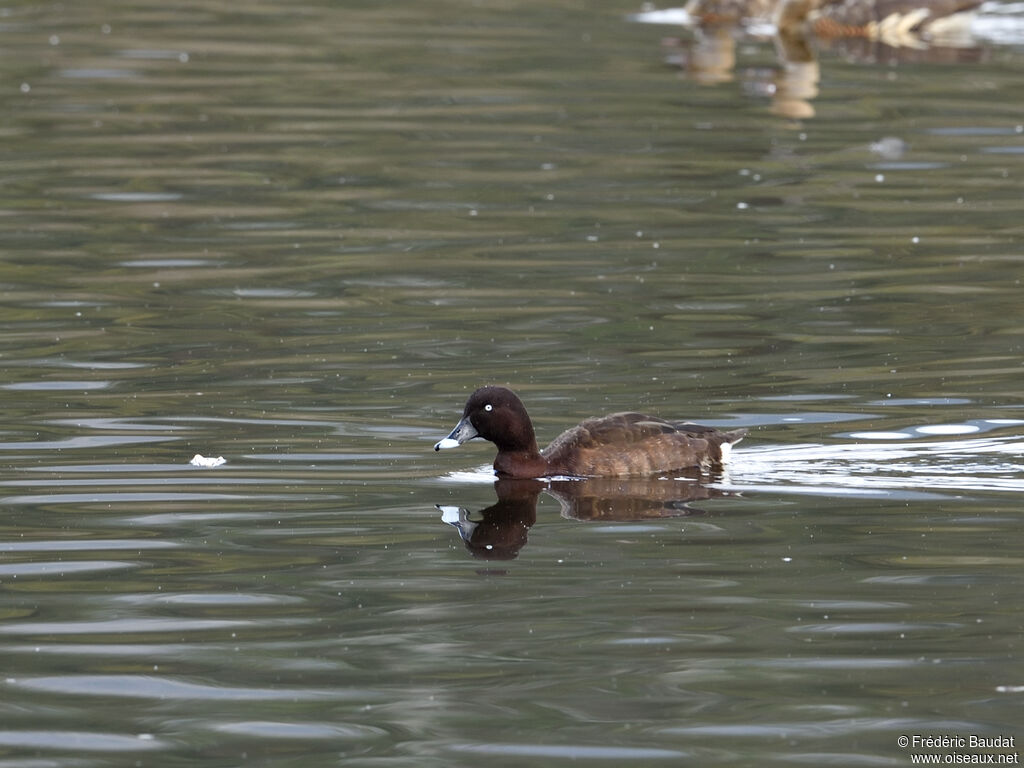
(879, 468)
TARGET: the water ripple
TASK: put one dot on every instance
(161, 688)
(85, 545)
(83, 441)
(131, 626)
(569, 751)
(266, 729)
(79, 741)
(56, 386)
(124, 498)
(62, 568)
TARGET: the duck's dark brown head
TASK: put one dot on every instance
(495, 414)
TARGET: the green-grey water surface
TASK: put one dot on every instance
(297, 236)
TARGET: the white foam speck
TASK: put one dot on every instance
(207, 461)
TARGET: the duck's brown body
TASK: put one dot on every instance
(634, 444)
(619, 445)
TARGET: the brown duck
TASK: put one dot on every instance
(622, 444)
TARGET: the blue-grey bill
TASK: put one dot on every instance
(463, 431)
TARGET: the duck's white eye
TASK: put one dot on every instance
(488, 407)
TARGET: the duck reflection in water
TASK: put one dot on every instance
(499, 532)
(871, 31)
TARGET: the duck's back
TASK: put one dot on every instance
(634, 444)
